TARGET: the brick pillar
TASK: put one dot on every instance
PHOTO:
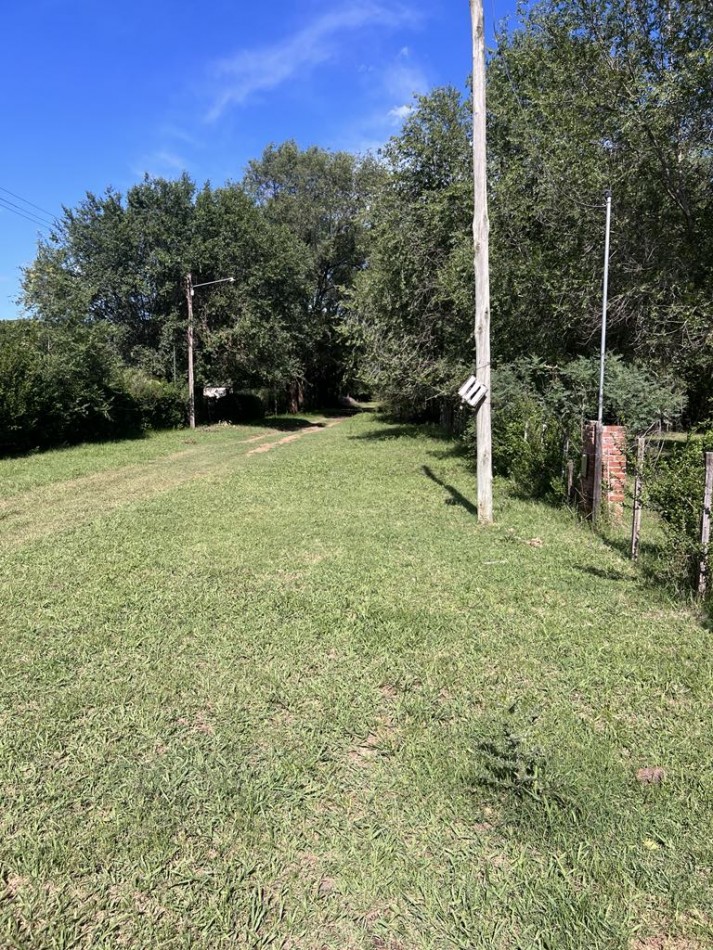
(613, 468)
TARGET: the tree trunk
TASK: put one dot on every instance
(295, 397)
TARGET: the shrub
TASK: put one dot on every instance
(57, 385)
(65, 384)
(157, 404)
(675, 490)
(539, 410)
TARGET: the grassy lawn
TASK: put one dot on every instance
(297, 698)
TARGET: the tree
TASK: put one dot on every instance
(584, 96)
(319, 197)
(411, 307)
(252, 332)
(119, 261)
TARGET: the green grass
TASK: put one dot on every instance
(300, 699)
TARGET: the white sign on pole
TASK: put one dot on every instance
(472, 392)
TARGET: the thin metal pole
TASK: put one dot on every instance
(189, 335)
(602, 357)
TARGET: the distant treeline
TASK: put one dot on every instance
(354, 274)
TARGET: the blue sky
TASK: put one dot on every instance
(96, 93)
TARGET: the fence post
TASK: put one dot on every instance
(570, 482)
(598, 472)
(706, 527)
(638, 486)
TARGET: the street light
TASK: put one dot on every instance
(598, 448)
(605, 293)
(190, 290)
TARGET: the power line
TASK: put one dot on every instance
(6, 202)
(28, 217)
(25, 201)
(42, 224)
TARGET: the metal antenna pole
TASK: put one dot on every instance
(189, 335)
(602, 358)
(598, 447)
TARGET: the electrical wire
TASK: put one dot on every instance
(7, 207)
(33, 214)
(44, 211)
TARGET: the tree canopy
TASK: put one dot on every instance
(357, 271)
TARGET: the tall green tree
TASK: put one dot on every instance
(583, 96)
(588, 95)
(319, 197)
(118, 260)
(411, 307)
(251, 332)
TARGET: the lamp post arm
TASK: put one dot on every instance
(222, 280)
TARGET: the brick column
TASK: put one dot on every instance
(613, 468)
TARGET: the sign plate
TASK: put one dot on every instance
(472, 392)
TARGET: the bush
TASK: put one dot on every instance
(156, 403)
(66, 384)
(539, 411)
(675, 490)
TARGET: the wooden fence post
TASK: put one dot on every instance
(638, 486)
(706, 527)
(570, 482)
(598, 472)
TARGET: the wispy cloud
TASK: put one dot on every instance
(172, 132)
(403, 79)
(399, 113)
(161, 163)
(389, 89)
(259, 70)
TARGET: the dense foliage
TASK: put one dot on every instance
(540, 410)
(674, 488)
(290, 235)
(67, 384)
(583, 96)
(356, 273)
(591, 95)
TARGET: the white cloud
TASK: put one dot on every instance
(388, 92)
(403, 81)
(259, 70)
(162, 163)
(178, 134)
(399, 113)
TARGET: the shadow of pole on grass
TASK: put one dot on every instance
(456, 498)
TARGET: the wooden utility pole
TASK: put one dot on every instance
(189, 335)
(638, 491)
(481, 228)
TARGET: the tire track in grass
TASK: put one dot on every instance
(294, 436)
(63, 505)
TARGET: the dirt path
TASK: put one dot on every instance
(63, 505)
